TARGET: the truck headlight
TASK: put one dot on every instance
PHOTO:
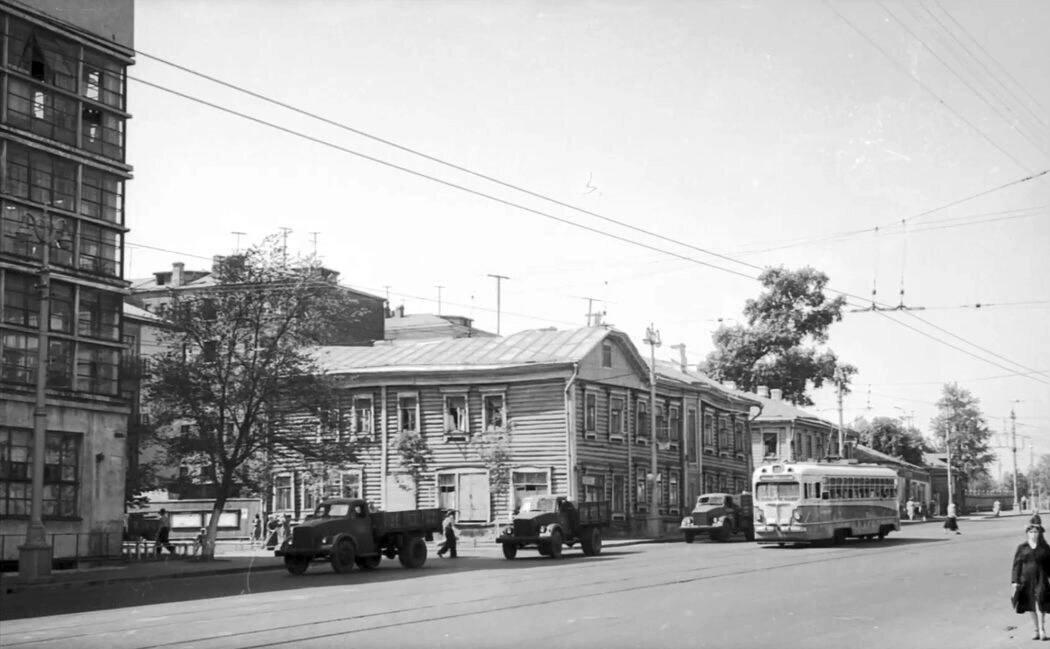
(543, 530)
(687, 521)
(717, 520)
(509, 530)
(326, 540)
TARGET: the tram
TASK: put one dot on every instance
(807, 502)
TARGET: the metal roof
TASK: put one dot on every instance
(530, 347)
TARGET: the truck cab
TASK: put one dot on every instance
(720, 516)
(550, 521)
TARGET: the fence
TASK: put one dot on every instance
(67, 548)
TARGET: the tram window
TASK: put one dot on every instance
(816, 491)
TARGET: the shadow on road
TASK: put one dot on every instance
(120, 594)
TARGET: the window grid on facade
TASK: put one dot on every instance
(526, 482)
(606, 355)
(690, 434)
(363, 416)
(283, 492)
(642, 425)
(619, 493)
(674, 424)
(709, 429)
(408, 413)
(61, 473)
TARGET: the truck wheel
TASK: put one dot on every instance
(592, 542)
(722, 533)
(544, 549)
(342, 559)
(555, 545)
(749, 534)
(690, 537)
(296, 565)
(510, 550)
(368, 563)
(413, 553)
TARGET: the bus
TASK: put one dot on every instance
(807, 502)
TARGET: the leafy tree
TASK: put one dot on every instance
(889, 436)
(960, 422)
(778, 346)
(1007, 483)
(238, 383)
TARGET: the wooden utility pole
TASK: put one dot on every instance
(1013, 451)
(652, 338)
(499, 308)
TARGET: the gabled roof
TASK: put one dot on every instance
(882, 458)
(780, 410)
(534, 347)
(674, 371)
(135, 313)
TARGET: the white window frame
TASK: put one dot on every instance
(485, 396)
(639, 438)
(401, 396)
(358, 475)
(620, 435)
(357, 428)
(590, 433)
(528, 469)
(291, 485)
(455, 433)
(307, 484)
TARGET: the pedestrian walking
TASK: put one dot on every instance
(1024, 503)
(286, 528)
(257, 530)
(950, 523)
(922, 510)
(1029, 577)
(996, 508)
(273, 529)
(448, 527)
(910, 508)
(163, 531)
(199, 540)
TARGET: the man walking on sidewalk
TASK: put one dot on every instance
(448, 526)
(162, 534)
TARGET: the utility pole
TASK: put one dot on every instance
(313, 236)
(842, 448)
(284, 244)
(34, 557)
(237, 249)
(439, 287)
(1013, 450)
(499, 308)
(652, 338)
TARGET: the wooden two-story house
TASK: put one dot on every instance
(540, 411)
(782, 431)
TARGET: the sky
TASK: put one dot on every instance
(883, 144)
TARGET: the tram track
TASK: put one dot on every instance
(412, 613)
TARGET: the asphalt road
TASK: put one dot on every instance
(919, 588)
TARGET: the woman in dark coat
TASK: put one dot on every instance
(1030, 576)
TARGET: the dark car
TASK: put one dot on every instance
(720, 516)
(548, 522)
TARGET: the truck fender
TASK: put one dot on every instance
(343, 535)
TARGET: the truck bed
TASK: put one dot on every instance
(413, 520)
(595, 513)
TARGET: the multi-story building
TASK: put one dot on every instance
(62, 156)
(782, 431)
(362, 327)
(541, 411)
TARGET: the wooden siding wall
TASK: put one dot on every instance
(724, 466)
(601, 453)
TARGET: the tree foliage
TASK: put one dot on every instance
(780, 344)
(961, 423)
(889, 436)
(238, 374)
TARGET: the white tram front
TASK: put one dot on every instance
(804, 502)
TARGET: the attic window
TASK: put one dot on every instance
(606, 355)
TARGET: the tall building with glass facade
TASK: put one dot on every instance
(62, 177)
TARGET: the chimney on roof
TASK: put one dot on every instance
(762, 391)
(176, 273)
(776, 394)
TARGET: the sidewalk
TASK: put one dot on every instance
(229, 562)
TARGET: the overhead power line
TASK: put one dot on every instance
(925, 87)
(1039, 147)
(507, 202)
